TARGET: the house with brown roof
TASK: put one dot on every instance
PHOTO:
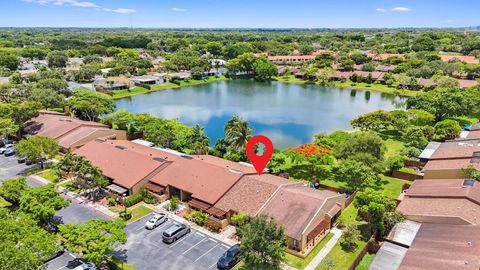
(384, 56)
(128, 165)
(430, 246)
(307, 214)
(450, 158)
(70, 133)
(467, 59)
(112, 84)
(449, 201)
(290, 59)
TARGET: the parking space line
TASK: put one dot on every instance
(225, 246)
(206, 253)
(193, 246)
(211, 239)
(202, 235)
(212, 265)
(184, 237)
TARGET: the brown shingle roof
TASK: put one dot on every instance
(444, 247)
(443, 201)
(250, 193)
(466, 83)
(205, 181)
(294, 206)
(120, 162)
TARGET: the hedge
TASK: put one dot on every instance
(132, 200)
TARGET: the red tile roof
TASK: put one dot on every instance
(384, 56)
(466, 83)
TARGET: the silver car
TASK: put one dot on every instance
(156, 220)
(174, 232)
(5, 148)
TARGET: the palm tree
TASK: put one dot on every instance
(237, 133)
(198, 140)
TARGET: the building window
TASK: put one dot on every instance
(295, 243)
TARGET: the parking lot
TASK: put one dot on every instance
(10, 168)
(61, 262)
(145, 249)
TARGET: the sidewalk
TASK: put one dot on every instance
(337, 233)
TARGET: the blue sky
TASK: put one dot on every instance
(243, 13)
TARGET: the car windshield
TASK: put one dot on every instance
(154, 219)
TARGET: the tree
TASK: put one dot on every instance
(373, 121)
(57, 59)
(373, 206)
(95, 240)
(355, 174)
(37, 149)
(48, 98)
(120, 119)
(264, 69)
(444, 102)
(8, 127)
(13, 189)
(58, 85)
(263, 243)
(15, 78)
(198, 141)
(89, 105)
(414, 136)
(236, 49)
(23, 243)
(350, 236)
(9, 61)
(447, 130)
(169, 134)
(361, 143)
(214, 48)
(237, 133)
(311, 73)
(41, 203)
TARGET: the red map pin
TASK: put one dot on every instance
(259, 162)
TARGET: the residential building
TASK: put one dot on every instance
(427, 246)
(290, 59)
(450, 158)
(467, 59)
(451, 201)
(70, 133)
(147, 80)
(112, 84)
(384, 56)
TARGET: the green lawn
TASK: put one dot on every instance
(365, 262)
(343, 257)
(390, 187)
(117, 264)
(4, 203)
(289, 79)
(139, 212)
(70, 185)
(375, 87)
(51, 175)
(300, 263)
(140, 90)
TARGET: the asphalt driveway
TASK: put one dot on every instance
(145, 249)
(10, 168)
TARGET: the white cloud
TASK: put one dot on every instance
(381, 10)
(179, 9)
(78, 3)
(120, 10)
(401, 9)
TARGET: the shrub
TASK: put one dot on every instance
(111, 201)
(410, 152)
(148, 197)
(394, 163)
(125, 215)
(173, 204)
(198, 217)
(239, 218)
(132, 200)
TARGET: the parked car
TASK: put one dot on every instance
(80, 264)
(230, 258)
(174, 232)
(156, 220)
(9, 152)
(5, 148)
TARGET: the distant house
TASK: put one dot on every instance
(112, 84)
(467, 59)
(290, 59)
(180, 75)
(70, 133)
(147, 80)
(384, 68)
(466, 83)
(384, 56)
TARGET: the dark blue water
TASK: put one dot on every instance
(289, 114)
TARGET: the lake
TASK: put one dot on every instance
(289, 114)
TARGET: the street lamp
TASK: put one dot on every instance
(124, 206)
